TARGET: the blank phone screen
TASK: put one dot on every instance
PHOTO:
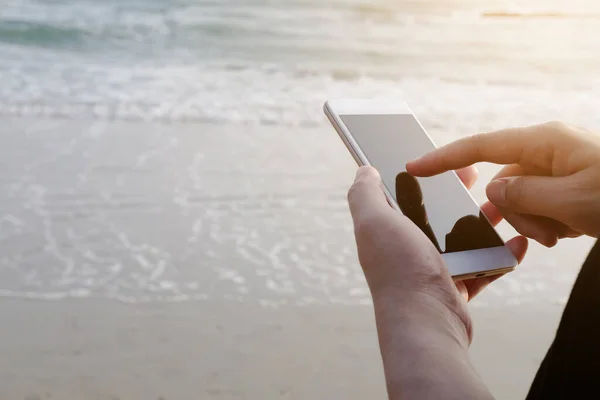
(440, 206)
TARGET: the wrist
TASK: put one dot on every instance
(424, 346)
(430, 365)
(441, 311)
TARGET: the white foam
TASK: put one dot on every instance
(271, 243)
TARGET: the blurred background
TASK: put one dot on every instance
(173, 222)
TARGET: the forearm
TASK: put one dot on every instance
(425, 351)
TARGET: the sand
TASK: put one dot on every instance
(199, 261)
(89, 349)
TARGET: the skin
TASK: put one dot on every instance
(423, 323)
(549, 189)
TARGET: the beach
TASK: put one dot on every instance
(177, 322)
(173, 214)
(218, 350)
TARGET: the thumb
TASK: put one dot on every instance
(535, 195)
(366, 197)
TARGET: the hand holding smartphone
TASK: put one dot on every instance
(386, 135)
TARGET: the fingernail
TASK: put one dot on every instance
(496, 191)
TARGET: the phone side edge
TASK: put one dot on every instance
(359, 157)
(346, 137)
(486, 273)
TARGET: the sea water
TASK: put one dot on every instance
(176, 149)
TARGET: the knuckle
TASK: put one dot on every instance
(355, 190)
(558, 129)
(515, 192)
(366, 227)
(557, 126)
(350, 195)
(369, 241)
(576, 208)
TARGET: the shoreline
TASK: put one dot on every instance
(142, 210)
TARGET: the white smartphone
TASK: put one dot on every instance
(386, 134)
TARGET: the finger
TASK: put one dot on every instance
(468, 176)
(563, 230)
(517, 170)
(510, 170)
(492, 213)
(506, 146)
(472, 287)
(570, 233)
(532, 227)
(518, 246)
(535, 195)
(366, 197)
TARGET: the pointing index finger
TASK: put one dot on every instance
(501, 147)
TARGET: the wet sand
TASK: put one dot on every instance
(178, 261)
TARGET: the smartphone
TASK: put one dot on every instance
(386, 134)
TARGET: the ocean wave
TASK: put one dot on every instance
(243, 93)
(200, 29)
(39, 34)
(251, 63)
(294, 102)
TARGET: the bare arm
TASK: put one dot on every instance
(425, 351)
(422, 317)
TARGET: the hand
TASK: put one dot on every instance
(367, 201)
(418, 308)
(384, 237)
(550, 186)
